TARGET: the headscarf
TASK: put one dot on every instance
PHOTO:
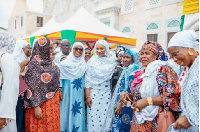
(121, 50)
(73, 67)
(7, 42)
(100, 69)
(155, 47)
(136, 56)
(42, 77)
(185, 38)
(18, 52)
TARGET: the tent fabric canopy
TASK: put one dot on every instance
(87, 28)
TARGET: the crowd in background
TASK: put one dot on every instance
(63, 87)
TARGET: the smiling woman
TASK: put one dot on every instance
(72, 82)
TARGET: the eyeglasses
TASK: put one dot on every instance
(80, 49)
(67, 45)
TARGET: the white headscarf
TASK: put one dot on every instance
(100, 69)
(18, 52)
(73, 67)
(7, 42)
(185, 38)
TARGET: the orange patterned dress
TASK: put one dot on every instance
(50, 121)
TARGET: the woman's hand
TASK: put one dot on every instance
(119, 109)
(122, 98)
(60, 94)
(140, 104)
(2, 123)
(182, 123)
(38, 112)
(89, 102)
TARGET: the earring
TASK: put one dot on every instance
(190, 53)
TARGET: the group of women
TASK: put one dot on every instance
(123, 92)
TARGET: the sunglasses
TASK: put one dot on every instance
(80, 49)
(67, 45)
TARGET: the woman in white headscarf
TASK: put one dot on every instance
(21, 53)
(100, 69)
(72, 107)
(9, 80)
(181, 49)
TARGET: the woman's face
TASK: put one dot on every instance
(27, 50)
(52, 55)
(180, 55)
(101, 50)
(87, 55)
(127, 60)
(146, 56)
(120, 58)
(78, 51)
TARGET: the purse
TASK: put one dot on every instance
(166, 118)
(127, 114)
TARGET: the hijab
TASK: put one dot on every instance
(185, 38)
(18, 52)
(100, 69)
(73, 67)
(7, 42)
(42, 76)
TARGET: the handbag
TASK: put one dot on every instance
(127, 114)
(166, 118)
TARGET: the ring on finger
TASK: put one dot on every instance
(136, 109)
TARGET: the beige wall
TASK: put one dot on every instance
(29, 24)
(141, 16)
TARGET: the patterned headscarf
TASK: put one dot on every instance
(7, 42)
(121, 50)
(42, 76)
(155, 47)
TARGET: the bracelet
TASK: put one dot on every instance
(150, 101)
(60, 89)
(87, 97)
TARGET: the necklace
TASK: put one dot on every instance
(183, 76)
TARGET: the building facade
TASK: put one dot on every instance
(155, 20)
(24, 22)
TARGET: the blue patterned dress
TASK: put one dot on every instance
(126, 79)
(72, 107)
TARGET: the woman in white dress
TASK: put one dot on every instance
(99, 71)
(10, 85)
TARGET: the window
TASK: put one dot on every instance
(169, 36)
(152, 26)
(15, 24)
(39, 21)
(153, 3)
(152, 37)
(126, 29)
(107, 23)
(174, 23)
(21, 21)
(127, 6)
